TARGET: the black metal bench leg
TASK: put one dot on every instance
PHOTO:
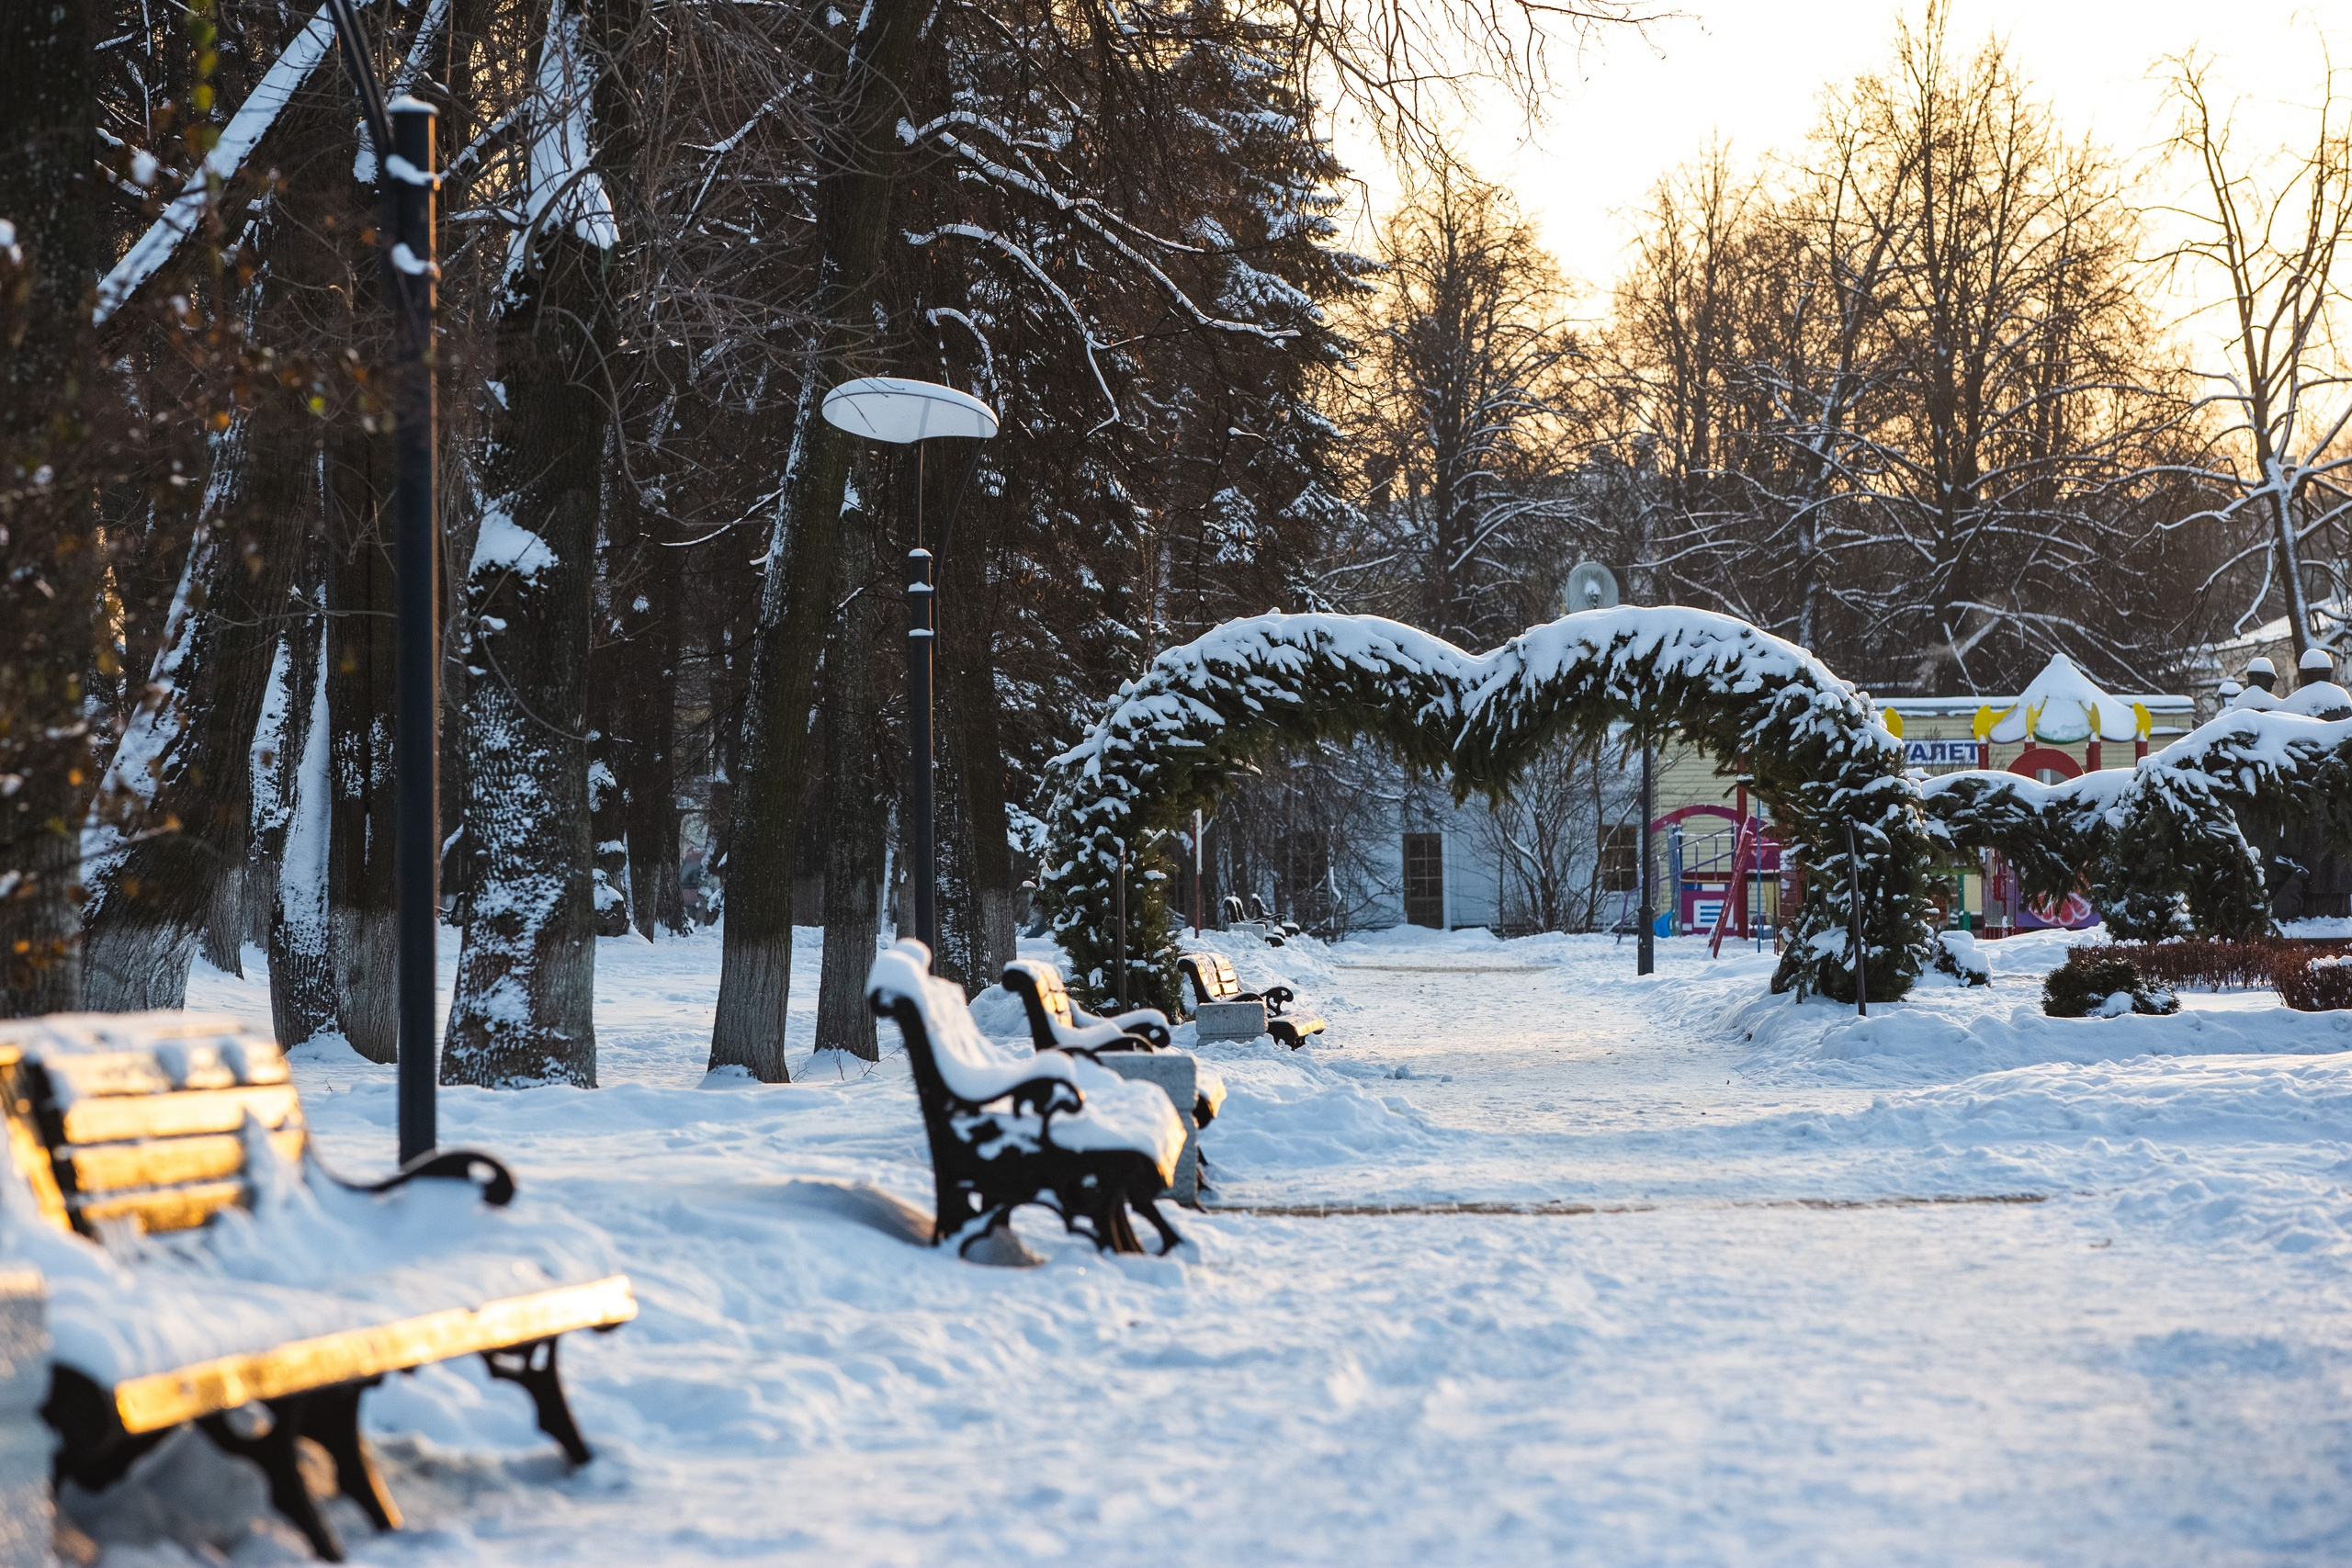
(1169, 1240)
(1112, 1226)
(533, 1366)
(331, 1421)
(280, 1463)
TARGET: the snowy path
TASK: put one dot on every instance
(1748, 1355)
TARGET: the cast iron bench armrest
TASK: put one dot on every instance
(1144, 1023)
(496, 1181)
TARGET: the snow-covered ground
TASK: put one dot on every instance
(1527, 1260)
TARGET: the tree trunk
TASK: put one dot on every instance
(222, 940)
(755, 977)
(987, 908)
(48, 572)
(524, 1012)
(858, 793)
(173, 797)
(360, 633)
(302, 964)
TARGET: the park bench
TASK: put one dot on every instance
(1134, 1045)
(1237, 920)
(1225, 1011)
(1007, 1129)
(1265, 916)
(172, 1126)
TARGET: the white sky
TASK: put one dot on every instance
(1630, 110)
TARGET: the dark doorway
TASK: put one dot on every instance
(1425, 879)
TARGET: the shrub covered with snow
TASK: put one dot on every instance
(2314, 985)
(2102, 987)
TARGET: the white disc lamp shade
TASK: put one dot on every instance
(892, 409)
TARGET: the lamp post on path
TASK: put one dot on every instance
(906, 413)
(402, 133)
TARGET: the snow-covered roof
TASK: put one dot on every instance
(2154, 702)
(2064, 704)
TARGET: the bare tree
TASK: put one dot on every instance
(1455, 408)
(2269, 234)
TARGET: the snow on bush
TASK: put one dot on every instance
(2316, 985)
(2102, 987)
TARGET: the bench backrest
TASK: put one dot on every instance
(1212, 975)
(1233, 908)
(1044, 989)
(969, 1066)
(143, 1117)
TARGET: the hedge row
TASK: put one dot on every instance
(2309, 974)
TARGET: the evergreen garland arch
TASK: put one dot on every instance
(1179, 734)
(2051, 834)
(2163, 845)
(2180, 856)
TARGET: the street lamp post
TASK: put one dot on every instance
(401, 134)
(905, 413)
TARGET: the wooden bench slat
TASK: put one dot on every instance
(166, 1399)
(99, 1074)
(165, 1162)
(180, 1114)
(161, 1209)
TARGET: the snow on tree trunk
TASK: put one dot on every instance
(171, 808)
(301, 967)
(523, 1010)
(361, 636)
(609, 890)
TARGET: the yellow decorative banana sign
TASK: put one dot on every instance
(2141, 721)
(1893, 720)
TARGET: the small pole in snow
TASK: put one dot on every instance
(1854, 914)
(1119, 903)
(1645, 944)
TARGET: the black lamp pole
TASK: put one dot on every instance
(922, 868)
(407, 181)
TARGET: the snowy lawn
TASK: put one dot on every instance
(1955, 1284)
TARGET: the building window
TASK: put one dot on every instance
(1620, 858)
(1425, 879)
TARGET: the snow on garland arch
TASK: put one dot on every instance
(1178, 735)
